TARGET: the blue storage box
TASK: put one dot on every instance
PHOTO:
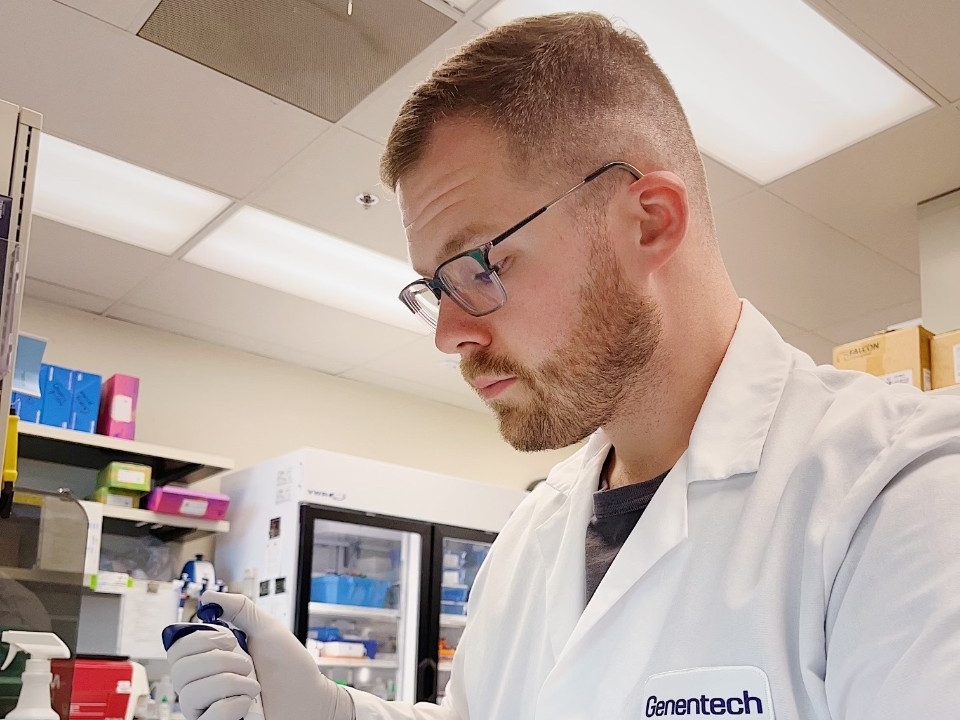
(336, 589)
(372, 593)
(454, 593)
(56, 389)
(453, 608)
(26, 407)
(325, 634)
(86, 401)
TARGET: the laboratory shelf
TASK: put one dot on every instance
(952, 390)
(89, 450)
(37, 575)
(453, 620)
(156, 521)
(333, 662)
(353, 611)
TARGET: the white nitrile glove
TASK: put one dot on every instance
(210, 677)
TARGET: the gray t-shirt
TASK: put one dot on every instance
(615, 514)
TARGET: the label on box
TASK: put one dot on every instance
(956, 363)
(197, 508)
(903, 376)
(121, 409)
(125, 501)
(130, 477)
(927, 379)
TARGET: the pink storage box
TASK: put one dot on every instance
(118, 407)
(188, 503)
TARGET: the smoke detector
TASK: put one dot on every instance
(367, 200)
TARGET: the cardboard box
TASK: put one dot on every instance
(116, 498)
(898, 356)
(945, 358)
(126, 476)
(86, 401)
(118, 407)
(26, 407)
(56, 391)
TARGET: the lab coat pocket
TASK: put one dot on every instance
(706, 692)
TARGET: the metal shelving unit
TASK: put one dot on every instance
(357, 663)
(453, 620)
(353, 611)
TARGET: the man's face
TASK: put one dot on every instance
(574, 337)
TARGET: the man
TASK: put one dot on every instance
(743, 534)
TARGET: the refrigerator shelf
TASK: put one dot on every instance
(333, 662)
(447, 620)
(445, 666)
(353, 611)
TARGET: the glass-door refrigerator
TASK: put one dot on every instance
(456, 557)
(370, 564)
(362, 582)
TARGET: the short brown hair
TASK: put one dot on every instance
(571, 90)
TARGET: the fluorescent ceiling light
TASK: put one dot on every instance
(92, 191)
(769, 86)
(274, 252)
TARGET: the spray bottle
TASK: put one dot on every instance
(34, 702)
(209, 615)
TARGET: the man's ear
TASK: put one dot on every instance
(656, 219)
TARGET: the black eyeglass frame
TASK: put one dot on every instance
(482, 253)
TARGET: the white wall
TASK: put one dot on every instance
(202, 397)
(940, 262)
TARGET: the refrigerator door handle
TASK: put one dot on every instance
(427, 680)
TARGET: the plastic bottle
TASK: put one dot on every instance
(164, 697)
(380, 689)
(34, 701)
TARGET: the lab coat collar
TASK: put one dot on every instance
(730, 430)
(728, 435)
(727, 440)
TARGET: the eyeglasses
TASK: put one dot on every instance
(469, 279)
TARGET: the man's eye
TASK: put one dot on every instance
(502, 266)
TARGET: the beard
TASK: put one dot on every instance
(584, 385)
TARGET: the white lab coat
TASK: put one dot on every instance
(811, 530)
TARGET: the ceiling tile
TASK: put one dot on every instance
(374, 116)
(320, 187)
(84, 261)
(219, 336)
(121, 14)
(802, 271)
(918, 34)
(870, 190)
(869, 324)
(820, 349)
(34, 288)
(725, 184)
(99, 86)
(213, 300)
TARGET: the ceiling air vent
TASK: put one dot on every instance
(310, 53)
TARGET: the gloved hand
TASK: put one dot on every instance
(211, 678)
